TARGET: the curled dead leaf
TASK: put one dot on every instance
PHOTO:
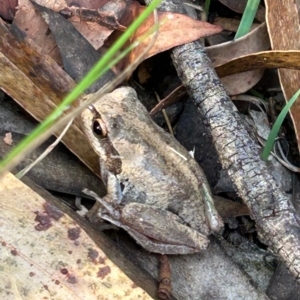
(289, 59)
(255, 41)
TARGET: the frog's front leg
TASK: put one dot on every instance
(113, 196)
(155, 229)
(212, 215)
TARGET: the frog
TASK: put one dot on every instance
(156, 191)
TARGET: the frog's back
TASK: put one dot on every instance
(156, 169)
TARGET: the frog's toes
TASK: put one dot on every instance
(105, 203)
(82, 210)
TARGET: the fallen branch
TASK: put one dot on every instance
(276, 219)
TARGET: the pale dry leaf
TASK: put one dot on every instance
(283, 26)
(44, 253)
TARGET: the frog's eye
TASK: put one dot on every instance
(99, 128)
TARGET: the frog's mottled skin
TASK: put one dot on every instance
(155, 171)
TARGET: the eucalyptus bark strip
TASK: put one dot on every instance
(276, 219)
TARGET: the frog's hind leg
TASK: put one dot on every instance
(161, 231)
(158, 247)
(155, 229)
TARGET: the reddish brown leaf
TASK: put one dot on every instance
(35, 27)
(174, 30)
(108, 15)
(8, 9)
(31, 22)
(88, 3)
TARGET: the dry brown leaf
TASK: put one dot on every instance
(97, 21)
(37, 29)
(174, 30)
(31, 22)
(8, 9)
(283, 26)
(88, 3)
(261, 60)
(44, 253)
(255, 41)
(230, 209)
(41, 84)
(289, 59)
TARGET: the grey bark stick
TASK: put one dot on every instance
(276, 219)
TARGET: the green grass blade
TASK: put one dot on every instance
(98, 70)
(274, 132)
(247, 19)
(100, 93)
(206, 7)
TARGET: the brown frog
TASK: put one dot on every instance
(155, 190)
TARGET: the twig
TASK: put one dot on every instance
(165, 116)
(165, 288)
(45, 153)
